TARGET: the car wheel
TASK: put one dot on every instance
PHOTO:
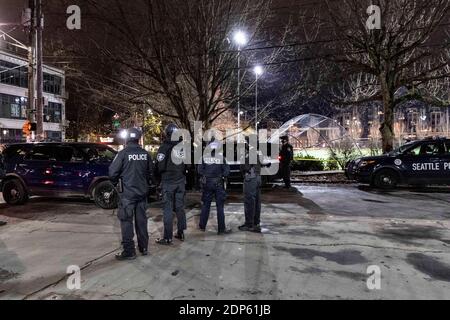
(14, 192)
(386, 179)
(105, 195)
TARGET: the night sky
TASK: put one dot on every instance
(10, 11)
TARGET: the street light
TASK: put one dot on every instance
(258, 70)
(240, 38)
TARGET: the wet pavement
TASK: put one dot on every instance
(317, 243)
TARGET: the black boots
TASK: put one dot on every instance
(179, 235)
(244, 227)
(224, 232)
(255, 228)
(164, 242)
(125, 256)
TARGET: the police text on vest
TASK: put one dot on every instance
(137, 157)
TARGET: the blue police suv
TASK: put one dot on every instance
(424, 162)
(58, 170)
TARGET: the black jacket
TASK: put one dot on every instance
(250, 170)
(166, 168)
(134, 166)
(286, 153)
(214, 167)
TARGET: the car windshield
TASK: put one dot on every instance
(13, 151)
(403, 148)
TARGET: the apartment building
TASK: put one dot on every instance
(14, 101)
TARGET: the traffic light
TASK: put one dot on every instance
(29, 127)
(26, 129)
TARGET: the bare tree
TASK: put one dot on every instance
(408, 51)
(177, 57)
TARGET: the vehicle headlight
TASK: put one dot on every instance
(366, 163)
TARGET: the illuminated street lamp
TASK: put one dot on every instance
(240, 38)
(258, 70)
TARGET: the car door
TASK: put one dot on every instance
(423, 163)
(35, 169)
(69, 171)
(99, 158)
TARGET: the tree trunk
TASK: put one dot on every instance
(387, 127)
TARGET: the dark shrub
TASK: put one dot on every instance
(308, 163)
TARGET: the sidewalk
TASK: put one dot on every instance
(303, 253)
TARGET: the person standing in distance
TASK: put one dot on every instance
(286, 157)
(173, 182)
(131, 171)
(212, 171)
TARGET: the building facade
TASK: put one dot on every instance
(14, 100)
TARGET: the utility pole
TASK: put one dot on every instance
(39, 73)
(28, 21)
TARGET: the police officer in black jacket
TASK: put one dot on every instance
(173, 182)
(212, 171)
(131, 171)
(286, 157)
(252, 188)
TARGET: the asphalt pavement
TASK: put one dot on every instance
(318, 242)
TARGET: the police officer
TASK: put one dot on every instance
(252, 190)
(173, 181)
(212, 171)
(132, 171)
(286, 157)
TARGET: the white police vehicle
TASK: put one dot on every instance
(425, 162)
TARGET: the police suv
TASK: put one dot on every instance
(58, 170)
(425, 162)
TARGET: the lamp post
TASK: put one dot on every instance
(258, 70)
(240, 38)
